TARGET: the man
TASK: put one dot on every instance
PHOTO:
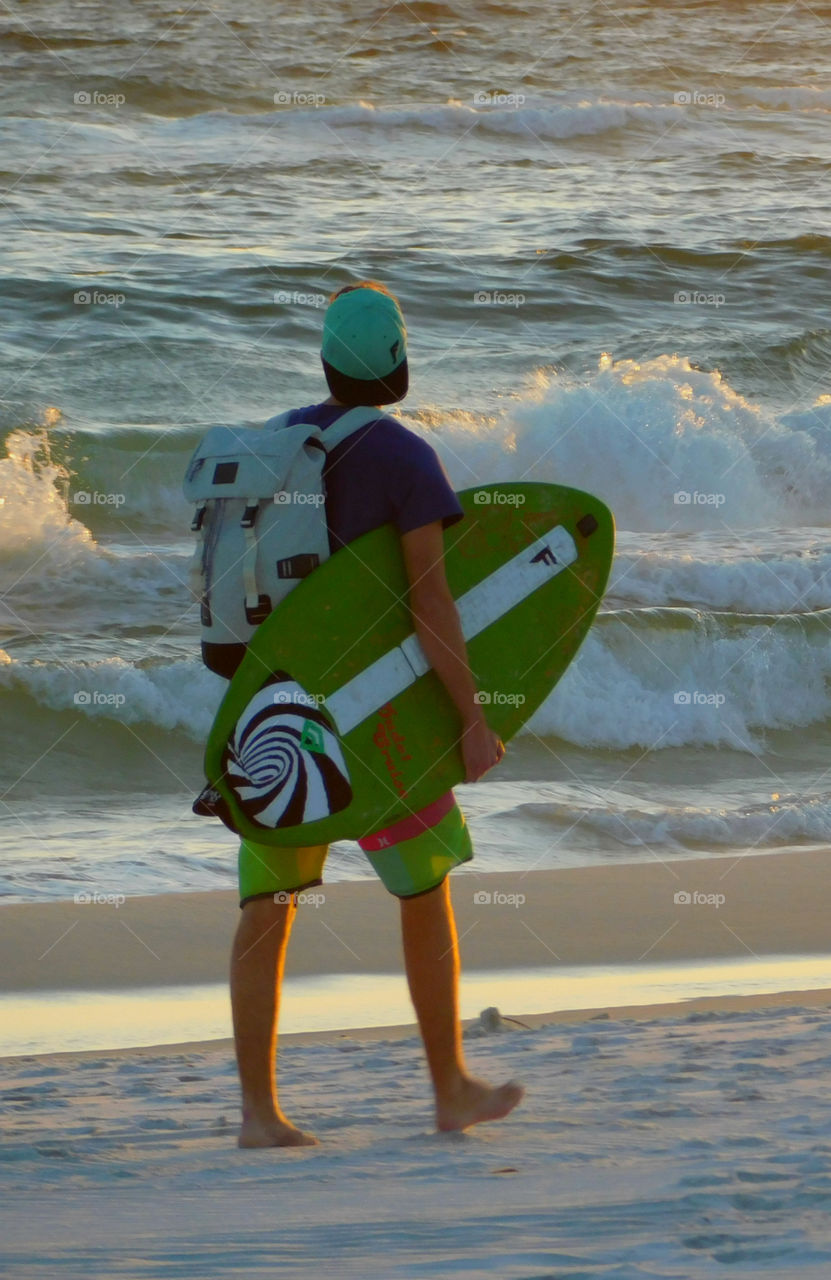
(381, 473)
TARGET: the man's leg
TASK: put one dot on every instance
(257, 961)
(431, 956)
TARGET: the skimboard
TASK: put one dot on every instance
(335, 726)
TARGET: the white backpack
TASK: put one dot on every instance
(260, 515)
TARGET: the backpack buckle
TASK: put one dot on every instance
(299, 566)
(257, 613)
(249, 515)
(198, 517)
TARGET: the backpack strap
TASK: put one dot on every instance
(352, 420)
(257, 607)
(341, 428)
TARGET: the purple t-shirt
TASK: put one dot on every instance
(381, 474)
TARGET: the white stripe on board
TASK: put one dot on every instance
(482, 605)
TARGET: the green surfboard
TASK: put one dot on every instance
(334, 725)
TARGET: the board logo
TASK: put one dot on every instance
(546, 556)
(312, 737)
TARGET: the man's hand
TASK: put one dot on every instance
(481, 749)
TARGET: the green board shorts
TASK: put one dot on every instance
(411, 857)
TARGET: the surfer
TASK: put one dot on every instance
(382, 473)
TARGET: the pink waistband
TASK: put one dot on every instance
(409, 827)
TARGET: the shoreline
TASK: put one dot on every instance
(819, 998)
(766, 908)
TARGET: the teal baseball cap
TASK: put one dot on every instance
(364, 347)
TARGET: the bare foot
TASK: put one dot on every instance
(273, 1133)
(476, 1101)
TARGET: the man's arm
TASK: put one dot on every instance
(440, 635)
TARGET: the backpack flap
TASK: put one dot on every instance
(245, 462)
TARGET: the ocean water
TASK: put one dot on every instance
(608, 227)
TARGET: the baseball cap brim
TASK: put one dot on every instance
(357, 391)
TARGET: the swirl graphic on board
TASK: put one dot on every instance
(283, 761)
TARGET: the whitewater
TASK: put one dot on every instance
(714, 633)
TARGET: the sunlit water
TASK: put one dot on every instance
(51, 1022)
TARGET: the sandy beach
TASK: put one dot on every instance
(619, 914)
(674, 1140)
(683, 1145)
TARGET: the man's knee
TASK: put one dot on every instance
(264, 919)
(427, 899)
(268, 906)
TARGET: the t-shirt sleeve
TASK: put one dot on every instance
(424, 493)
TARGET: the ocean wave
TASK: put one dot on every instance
(668, 446)
(179, 697)
(729, 256)
(576, 278)
(782, 819)
(493, 115)
(26, 39)
(650, 678)
(789, 98)
(792, 358)
(177, 110)
(755, 574)
(657, 678)
(56, 574)
(676, 453)
(225, 123)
